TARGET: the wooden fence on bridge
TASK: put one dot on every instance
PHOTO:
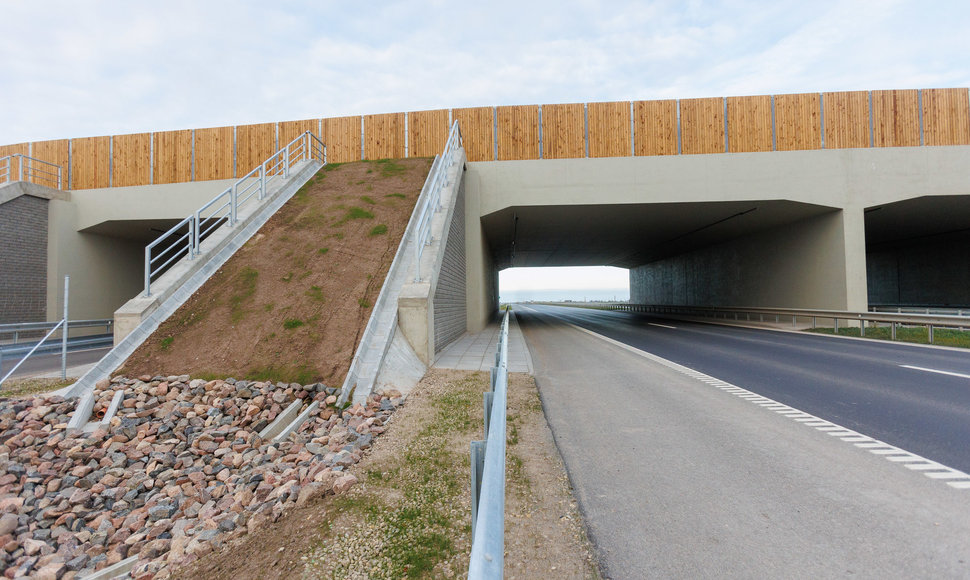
(891, 118)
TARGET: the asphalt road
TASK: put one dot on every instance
(679, 479)
(48, 363)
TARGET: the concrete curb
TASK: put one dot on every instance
(296, 423)
(282, 421)
(115, 570)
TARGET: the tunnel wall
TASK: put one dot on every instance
(933, 273)
(105, 271)
(801, 265)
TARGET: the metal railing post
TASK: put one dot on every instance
(286, 162)
(21, 175)
(262, 182)
(192, 231)
(148, 272)
(67, 286)
(233, 200)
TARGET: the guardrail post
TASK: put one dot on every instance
(67, 285)
(930, 328)
(477, 469)
(862, 327)
(892, 331)
(487, 399)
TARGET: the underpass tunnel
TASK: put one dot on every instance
(918, 252)
(729, 253)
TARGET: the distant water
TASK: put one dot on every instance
(554, 295)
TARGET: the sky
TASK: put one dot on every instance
(78, 69)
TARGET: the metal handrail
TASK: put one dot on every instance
(437, 181)
(488, 473)
(186, 237)
(31, 169)
(893, 319)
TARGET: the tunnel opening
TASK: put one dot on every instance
(918, 253)
(573, 284)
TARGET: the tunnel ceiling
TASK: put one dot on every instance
(143, 231)
(915, 220)
(627, 235)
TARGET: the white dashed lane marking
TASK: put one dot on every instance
(937, 371)
(662, 325)
(953, 477)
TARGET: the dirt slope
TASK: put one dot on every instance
(292, 303)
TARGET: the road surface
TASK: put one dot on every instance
(687, 475)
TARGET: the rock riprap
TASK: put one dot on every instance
(178, 471)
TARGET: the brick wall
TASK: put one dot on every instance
(449, 297)
(23, 260)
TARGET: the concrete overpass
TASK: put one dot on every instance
(833, 229)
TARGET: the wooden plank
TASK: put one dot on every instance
(214, 153)
(131, 160)
(173, 156)
(254, 144)
(946, 117)
(846, 119)
(427, 132)
(563, 131)
(341, 135)
(89, 162)
(798, 124)
(609, 129)
(702, 125)
(655, 127)
(57, 152)
(290, 130)
(477, 131)
(749, 124)
(384, 136)
(895, 118)
(15, 149)
(518, 132)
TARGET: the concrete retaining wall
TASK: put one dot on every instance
(23, 259)
(932, 273)
(449, 298)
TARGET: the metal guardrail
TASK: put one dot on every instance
(894, 320)
(184, 239)
(488, 472)
(437, 181)
(30, 169)
(922, 310)
(63, 322)
(16, 329)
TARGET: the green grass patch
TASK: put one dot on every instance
(269, 307)
(390, 168)
(330, 167)
(323, 251)
(282, 374)
(167, 342)
(918, 335)
(378, 230)
(397, 195)
(363, 303)
(354, 213)
(291, 323)
(315, 293)
(33, 386)
(367, 199)
(244, 287)
(287, 278)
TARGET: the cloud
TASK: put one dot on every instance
(109, 67)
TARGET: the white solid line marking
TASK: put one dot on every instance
(662, 325)
(885, 450)
(939, 372)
